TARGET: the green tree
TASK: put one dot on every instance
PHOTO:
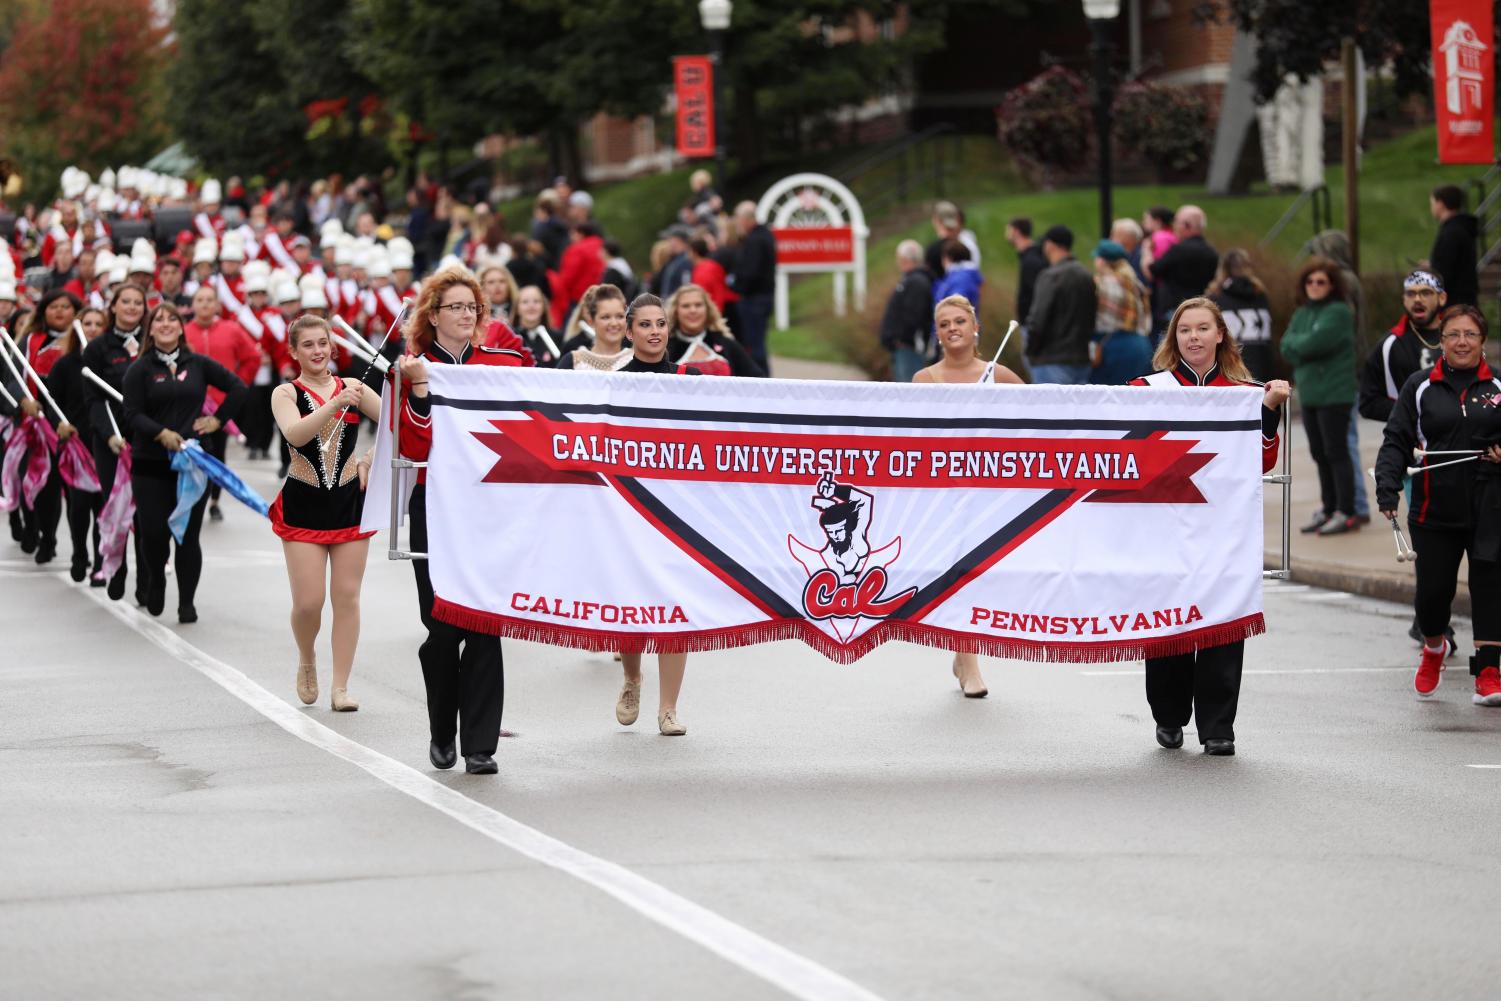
(229, 100)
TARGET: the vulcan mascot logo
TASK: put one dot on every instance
(846, 578)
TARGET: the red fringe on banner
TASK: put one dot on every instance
(612, 641)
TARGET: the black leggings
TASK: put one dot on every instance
(254, 418)
(469, 683)
(42, 519)
(214, 444)
(1328, 430)
(1439, 551)
(83, 515)
(155, 497)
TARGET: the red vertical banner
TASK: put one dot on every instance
(693, 81)
(1464, 79)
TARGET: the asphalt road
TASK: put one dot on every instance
(174, 824)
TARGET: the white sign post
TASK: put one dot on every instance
(820, 228)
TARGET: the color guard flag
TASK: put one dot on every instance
(641, 512)
(1464, 79)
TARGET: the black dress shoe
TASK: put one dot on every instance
(187, 616)
(214, 514)
(46, 552)
(442, 755)
(1170, 737)
(480, 764)
(78, 571)
(28, 540)
(1219, 748)
(116, 588)
(156, 598)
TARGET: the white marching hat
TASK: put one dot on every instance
(8, 291)
(126, 178)
(400, 245)
(104, 261)
(107, 179)
(344, 250)
(232, 247)
(212, 193)
(284, 285)
(313, 295)
(205, 251)
(257, 276)
(379, 265)
(119, 271)
(142, 264)
(143, 247)
(329, 233)
(450, 261)
(106, 201)
(74, 182)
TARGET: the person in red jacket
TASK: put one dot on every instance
(463, 669)
(227, 343)
(582, 266)
(708, 274)
(1197, 350)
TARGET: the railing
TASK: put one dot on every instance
(1323, 214)
(922, 159)
(1486, 190)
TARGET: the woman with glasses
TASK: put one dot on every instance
(1455, 509)
(1320, 345)
(462, 669)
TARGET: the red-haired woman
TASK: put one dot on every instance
(463, 670)
(1197, 350)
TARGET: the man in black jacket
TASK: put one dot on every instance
(1030, 264)
(1453, 255)
(753, 280)
(1187, 267)
(1061, 323)
(909, 314)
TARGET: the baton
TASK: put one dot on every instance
(405, 305)
(363, 352)
(990, 369)
(351, 333)
(109, 391)
(13, 346)
(1415, 470)
(1405, 553)
(1419, 453)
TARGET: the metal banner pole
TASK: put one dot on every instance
(1285, 479)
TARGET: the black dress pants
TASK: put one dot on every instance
(155, 497)
(1204, 684)
(1328, 443)
(463, 670)
(215, 444)
(83, 515)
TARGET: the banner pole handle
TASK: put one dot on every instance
(1287, 490)
(395, 547)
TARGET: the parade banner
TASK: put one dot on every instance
(644, 512)
(1464, 86)
(693, 82)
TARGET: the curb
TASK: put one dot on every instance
(1387, 585)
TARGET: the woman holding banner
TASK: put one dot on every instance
(701, 338)
(462, 668)
(317, 513)
(108, 356)
(164, 394)
(1197, 350)
(958, 331)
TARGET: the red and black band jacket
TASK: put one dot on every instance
(1184, 375)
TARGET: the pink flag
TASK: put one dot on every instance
(115, 518)
(31, 444)
(76, 464)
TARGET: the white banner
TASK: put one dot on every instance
(643, 512)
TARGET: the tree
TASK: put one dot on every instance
(229, 100)
(1299, 38)
(81, 84)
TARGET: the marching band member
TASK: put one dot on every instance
(958, 331)
(701, 338)
(226, 342)
(108, 357)
(165, 391)
(49, 337)
(463, 669)
(317, 513)
(1455, 510)
(1197, 350)
(205, 254)
(646, 320)
(602, 311)
(209, 223)
(69, 389)
(230, 281)
(530, 317)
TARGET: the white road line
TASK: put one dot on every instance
(795, 974)
(1483, 766)
(1269, 670)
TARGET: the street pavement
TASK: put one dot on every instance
(177, 825)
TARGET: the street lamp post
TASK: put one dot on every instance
(715, 15)
(1102, 15)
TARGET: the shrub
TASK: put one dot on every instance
(1167, 126)
(1045, 123)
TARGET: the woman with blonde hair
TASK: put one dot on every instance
(1197, 350)
(600, 339)
(462, 669)
(701, 338)
(958, 331)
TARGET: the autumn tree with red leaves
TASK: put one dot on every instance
(81, 85)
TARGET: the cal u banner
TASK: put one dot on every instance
(644, 512)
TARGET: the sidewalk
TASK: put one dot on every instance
(1363, 562)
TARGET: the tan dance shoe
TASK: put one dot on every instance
(973, 688)
(667, 722)
(340, 702)
(307, 683)
(628, 706)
